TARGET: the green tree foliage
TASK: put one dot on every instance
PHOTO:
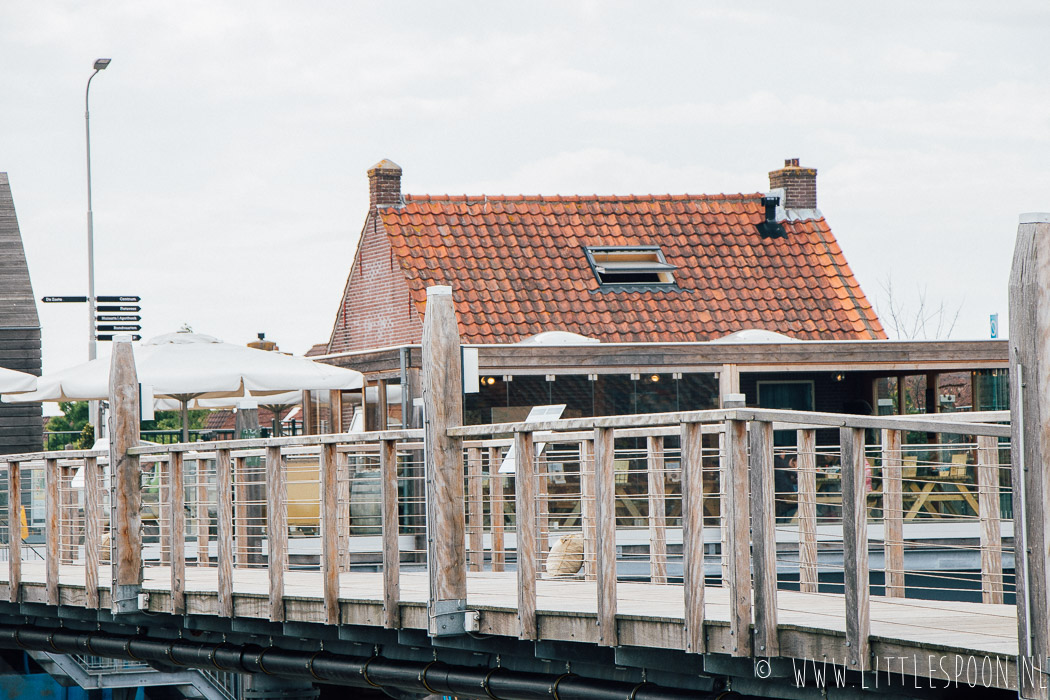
(172, 420)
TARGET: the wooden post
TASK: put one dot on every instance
(657, 510)
(475, 526)
(309, 427)
(855, 548)
(391, 529)
(224, 529)
(276, 529)
(738, 533)
(807, 510)
(496, 510)
(335, 411)
(366, 425)
(1030, 413)
(52, 528)
(126, 530)
(590, 534)
(177, 532)
(443, 408)
(693, 536)
(330, 532)
(605, 545)
(525, 532)
(92, 534)
(988, 505)
(14, 528)
(893, 513)
(763, 539)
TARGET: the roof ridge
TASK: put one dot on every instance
(482, 198)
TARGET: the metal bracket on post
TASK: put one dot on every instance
(449, 617)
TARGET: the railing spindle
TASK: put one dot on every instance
(605, 517)
(203, 521)
(496, 510)
(52, 528)
(590, 534)
(14, 528)
(988, 505)
(224, 529)
(806, 464)
(177, 532)
(657, 510)
(391, 530)
(763, 539)
(893, 512)
(475, 548)
(276, 529)
(855, 547)
(241, 525)
(525, 529)
(92, 530)
(693, 536)
(736, 516)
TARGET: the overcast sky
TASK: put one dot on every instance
(230, 140)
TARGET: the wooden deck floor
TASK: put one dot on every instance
(906, 633)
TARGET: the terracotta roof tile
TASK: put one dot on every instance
(518, 267)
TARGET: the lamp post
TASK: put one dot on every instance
(100, 64)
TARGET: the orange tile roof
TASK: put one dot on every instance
(517, 267)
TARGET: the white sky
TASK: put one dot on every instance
(230, 140)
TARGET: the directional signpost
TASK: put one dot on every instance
(113, 314)
(63, 300)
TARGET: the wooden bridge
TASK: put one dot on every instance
(406, 560)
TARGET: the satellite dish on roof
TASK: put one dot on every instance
(558, 338)
(755, 335)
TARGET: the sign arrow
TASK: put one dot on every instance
(118, 329)
(119, 300)
(104, 318)
(117, 309)
(63, 300)
(109, 336)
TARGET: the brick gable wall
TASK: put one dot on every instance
(376, 309)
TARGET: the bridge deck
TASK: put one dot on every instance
(811, 626)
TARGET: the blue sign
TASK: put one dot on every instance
(994, 321)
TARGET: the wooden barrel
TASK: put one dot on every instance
(365, 503)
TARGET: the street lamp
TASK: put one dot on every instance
(100, 64)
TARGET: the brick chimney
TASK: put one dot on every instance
(384, 184)
(799, 185)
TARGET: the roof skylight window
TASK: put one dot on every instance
(644, 265)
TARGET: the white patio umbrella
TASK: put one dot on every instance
(187, 366)
(12, 381)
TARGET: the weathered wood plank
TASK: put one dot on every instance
(330, 532)
(276, 529)
(542, 504)
(443, 407)
(224, 529)
(893, 512)
(177, 532)
(988, 511)
(391, 529)
(92, 530)
(763, 539)
(525, 531)
(590, 534)
(605, 546)
(496, 510)
(1030, 407)
(241, 525)
(14, 529)
(475, 551)
(737, 524)
(855, 548)
(344, 472)
(693, 537)
(806, 464)
(203, 521)
(657, 510)
(126, 530)
(52, 527)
